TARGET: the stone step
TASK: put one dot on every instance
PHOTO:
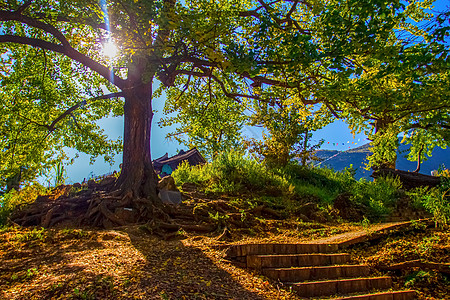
(260, 249)
(344, 286)
(315, 273)
(397, 295)
(296, 260)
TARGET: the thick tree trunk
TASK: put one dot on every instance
(380, 126)
(133, 197)
(137, 174)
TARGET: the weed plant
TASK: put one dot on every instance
(18, 199)
(435, 200)
(322, 183)
(379, 197)
(230, 172)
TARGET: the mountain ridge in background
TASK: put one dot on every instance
(338, 160)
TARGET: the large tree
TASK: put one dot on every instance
(292, 44)
(403, 92)
(288, 126)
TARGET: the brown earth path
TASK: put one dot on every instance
(371, 232)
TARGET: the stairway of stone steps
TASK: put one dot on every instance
(316, 271)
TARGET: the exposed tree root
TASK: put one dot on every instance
(443, 268)
(224, 235)
(106, 207)
(260, 210)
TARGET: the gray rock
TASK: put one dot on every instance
(170, 197)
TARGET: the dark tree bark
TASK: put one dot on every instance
(137, 171)
(417, 170)
(138, 176)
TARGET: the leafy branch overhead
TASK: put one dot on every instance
(331, 53)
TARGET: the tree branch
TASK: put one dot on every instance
(69, 111)
(24, 6)
(221, 84)
(250, 13)
(17, 16)
(331, 109)
(184, 89)
(260, 79)
(267, 81)
(69, 52)
(293, 8)
(87, 21)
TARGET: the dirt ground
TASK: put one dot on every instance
(121, 264)
(129, 263)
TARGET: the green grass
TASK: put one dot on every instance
(288, 187)
(230, 172)
(434, 200)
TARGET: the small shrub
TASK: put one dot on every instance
(435, 200)
(36, 234)
(185, 173)
(379, 196)
(438, 203)
(229, 172)
(219, 219)
(60, 174)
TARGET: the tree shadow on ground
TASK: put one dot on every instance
(37, 263)
(126, 263)
(174, 270)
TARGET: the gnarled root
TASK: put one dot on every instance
(440, 267)
(89, 207)
(108, 209)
